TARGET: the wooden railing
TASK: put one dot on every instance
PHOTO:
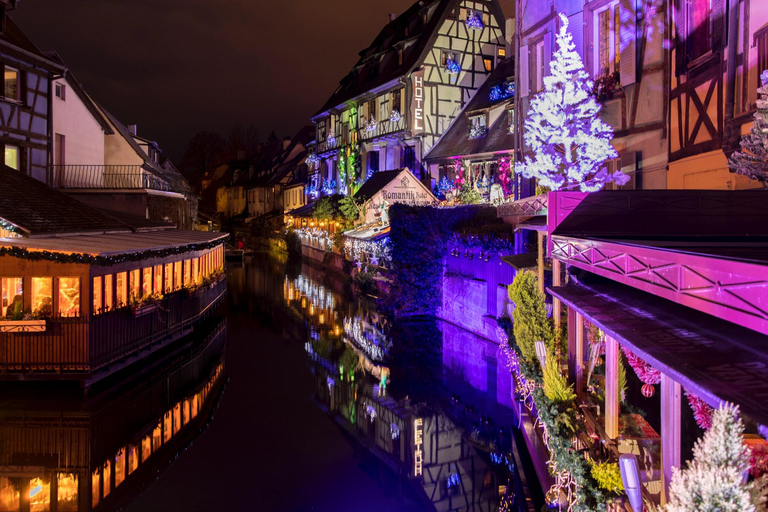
(80, 345)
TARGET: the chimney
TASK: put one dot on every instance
(286, 142)
(392, 17)
(132, 128)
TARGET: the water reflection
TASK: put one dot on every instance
(62, 452)
(406, 390)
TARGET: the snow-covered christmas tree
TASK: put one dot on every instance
(752, 160)
(714, 479)
(570, 143)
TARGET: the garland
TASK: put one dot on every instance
(702, 412)
(505, 175)
(645, 372)
(106, 261)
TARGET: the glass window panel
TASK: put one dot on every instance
(108, 292)
(12, 298)
(11, 83)
(187, 272)
(69, 296)
(122, 289)
(9, 495)
(603, 41)
(146, 447)
(120, 467)
(42, 295)
(39, 495)
(195, 406)
(133, 458)
(176, 417)
(158, 287)
(98, 299)
(177, 275)
(95, 487)
(146, 282)
(12, 156)
(135, 285)
(68, 492)
(168, 278)
(107, 479)
(157, 436)
(195, 270)
(185, 412)
(168, 426)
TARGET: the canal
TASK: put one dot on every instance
(301, 395)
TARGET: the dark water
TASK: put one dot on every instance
(258, 412)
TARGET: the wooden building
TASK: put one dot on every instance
(405, 90)
(85, 293)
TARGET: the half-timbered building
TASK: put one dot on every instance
(719, 51)
(25, 102)
(406, 89)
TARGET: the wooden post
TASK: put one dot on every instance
(671, 398)
(540, 259)
(576, 350)
(611, 387)
(557, 306)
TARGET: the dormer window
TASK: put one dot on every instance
(11, 84)
(502, 91)
(478, 126)
(451, 62)
(474, 20)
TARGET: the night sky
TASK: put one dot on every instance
(175, 67)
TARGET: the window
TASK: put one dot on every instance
(157, 436)
(69, 296)
(446, 56)
(176, 417)
(538, 83)
(146, 281)
(12, 156)
(700, 28)
(177, 275)
(9, 494)
(68, 492)
(11, 85)
(98, 299)
(59, 149)
(168, 277)
(135, 284)
(122, 289)
(158, 288)
(478, 126)
(196, 270)
(42, 295)
(39, 494)
(373, 162)
(488, 64)
(187, 271)
(107, 473)
(397, 100)
(761, 42)
(146, 447)
(11, 296)
(133, 458)
(372, 111)
(95, 487)
(607, 42)
(167, 426)
(501, 53)
(409, 158)
(108, 292)
(119, 468)
(61, 91)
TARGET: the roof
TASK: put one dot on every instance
(521, 261)
(378, 63)
(111, 244)
(455, 142)
(121, 129)
(713, 358)
(138, 223)
(302, 211)
(40, 210)
(368, 232)
(375, 183)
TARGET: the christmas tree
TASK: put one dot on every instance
(714, 479)
(752, 160)
(570, 143)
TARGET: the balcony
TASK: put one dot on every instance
(330, 144)
(385, 127)
(79, 347)
(106, 177)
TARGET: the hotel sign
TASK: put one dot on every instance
(418, 446)
(417, 102)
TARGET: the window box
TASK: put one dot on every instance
(143, 309)
(22, 325)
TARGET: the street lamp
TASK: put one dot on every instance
(630, 476)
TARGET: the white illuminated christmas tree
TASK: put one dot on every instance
(752, 160)
(570, 143)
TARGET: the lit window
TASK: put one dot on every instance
(9, 494)
(157, 436)
(477, 126)
(501, 53)
(98, 301)
(108, 292)
(68, 492)
(12, 297)
(488, 64)
(107, 478)
(42, 295)
(11, 88)
(167, 426)
(146, 281)
(69, 296)
(146, 447)
(168, 277)
(158, 279)
(196, 270)
(185, 412)
(95, 487)
(120, 467)
(187, 272)
(177, 417)
(607, 40)
(122, 289)
(12, 156)
(177, 275)
(135, 284)
(133, 458)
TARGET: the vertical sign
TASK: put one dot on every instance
(418, 446)
(417, 102)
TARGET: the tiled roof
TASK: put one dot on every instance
(40, 210)
(455, 142)
(378, 64)
(375, 183)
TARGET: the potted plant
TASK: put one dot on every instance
(19, 320)
(146, 304)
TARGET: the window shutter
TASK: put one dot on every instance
(576, 29)
(680, 36)
(629, 166)
(524, 72)
(547, 53)
(628, 38)
(718, 25)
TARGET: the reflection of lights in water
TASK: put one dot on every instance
(35, 491)
(311, 309)
(367, 337)
(322, 318)
(303, 302)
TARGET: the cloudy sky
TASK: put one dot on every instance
(175, 67)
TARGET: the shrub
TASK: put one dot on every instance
(530, 315)
(556, 386)
(608, 476)
(468, 195)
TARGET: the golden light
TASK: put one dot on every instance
(303, 302)
(322, 318)
(338, 331)
(311, 309)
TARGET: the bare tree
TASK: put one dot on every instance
(203, 153)
(242, 138)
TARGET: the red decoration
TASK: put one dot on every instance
(702, 412)
(645, 372)
(758, 460)
(648, 390)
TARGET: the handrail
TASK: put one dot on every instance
(106, 177)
